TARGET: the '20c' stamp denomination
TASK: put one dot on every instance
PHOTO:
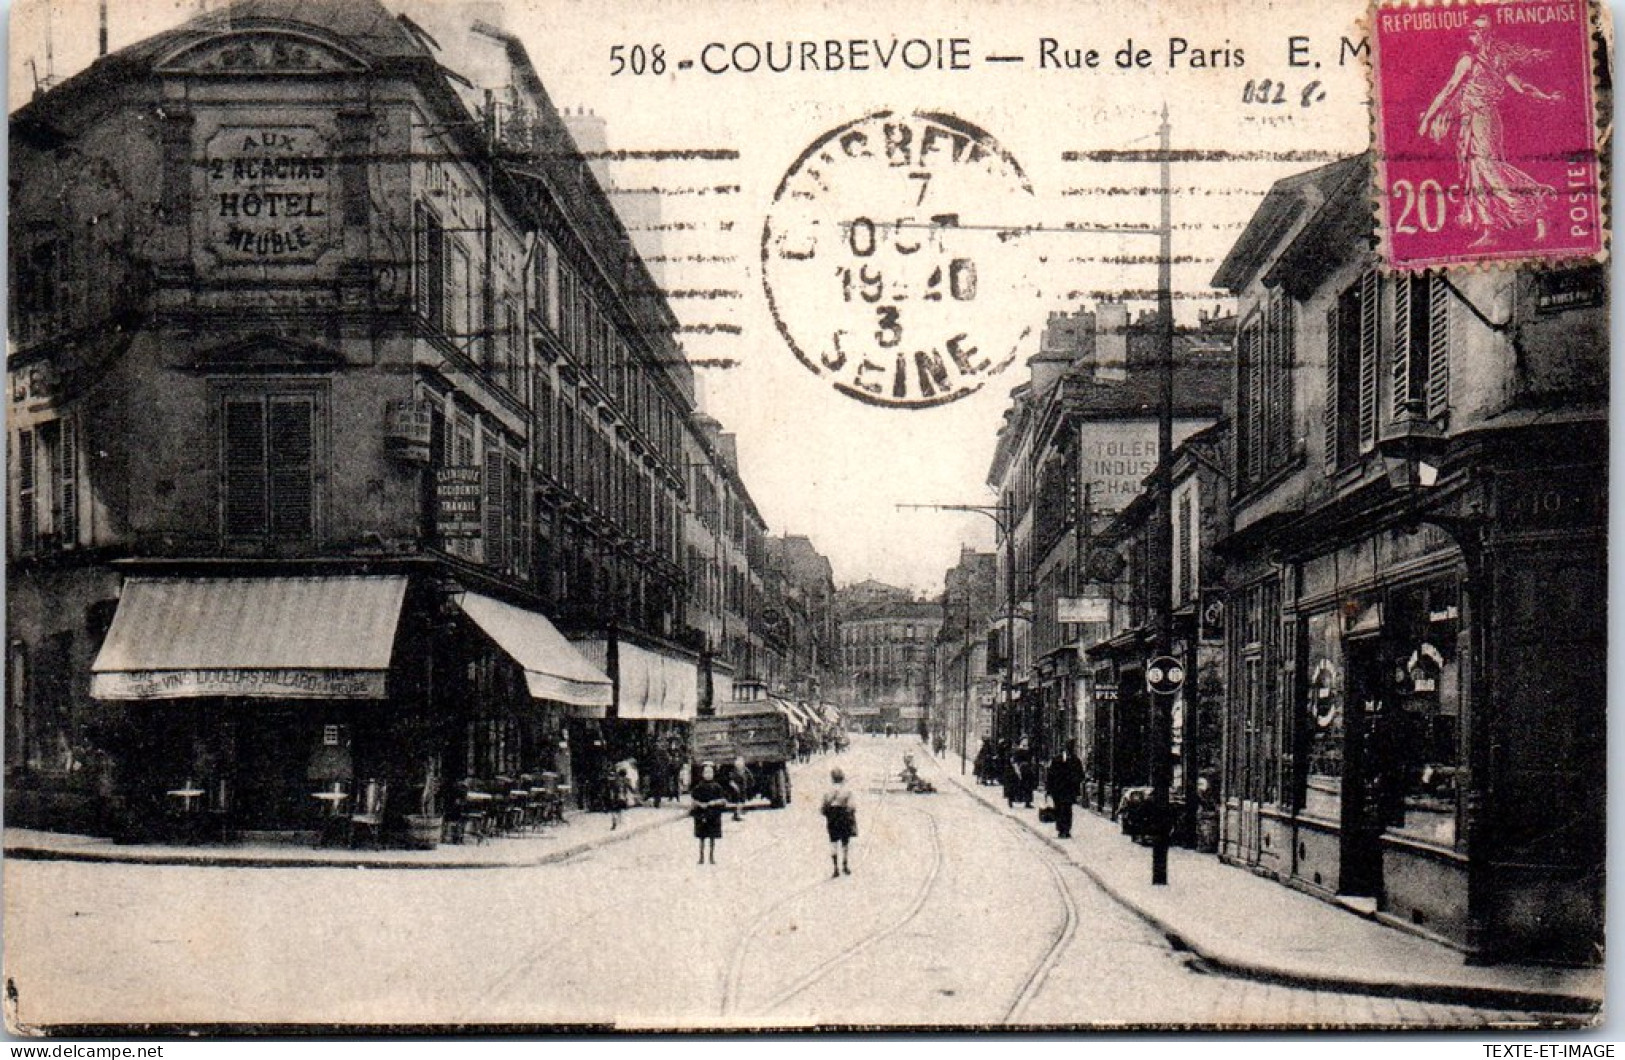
(892, 258)
(1486, 133)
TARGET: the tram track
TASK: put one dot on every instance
(1061, 938)
(731, 991)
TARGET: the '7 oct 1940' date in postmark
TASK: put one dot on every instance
(1486, 133)
(885, 263)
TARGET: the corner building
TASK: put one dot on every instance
(342, 452)
(1416, 581)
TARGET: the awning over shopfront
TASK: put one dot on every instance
(650, 685)
(554, 668)
(276, 638)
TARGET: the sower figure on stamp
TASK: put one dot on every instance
(1496, 195)
(841, 822)
(709, 801)
(1064, 783)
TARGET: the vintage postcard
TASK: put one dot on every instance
(535, 515)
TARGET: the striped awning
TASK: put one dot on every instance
(554, 668)
(275, 638)
(649, 685)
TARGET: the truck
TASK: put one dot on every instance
(757, 731)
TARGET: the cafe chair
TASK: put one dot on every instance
(369, 815)
(333, 821)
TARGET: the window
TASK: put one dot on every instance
(41, 289)
(1421, 363)
(460, 311)
(268, 467)
(1258, 755)
(429, 263)
(545, 290)
(1323, 716)
(26, 517)
(1266, 353)
(1420, 737)
(496, 497)
(1185, 545)
(47, 487)
(1351, 372)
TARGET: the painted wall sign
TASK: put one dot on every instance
(269, 684)
(269, 194)
(458, 495)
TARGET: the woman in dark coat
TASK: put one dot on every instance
(1021, 778)
(709, 802)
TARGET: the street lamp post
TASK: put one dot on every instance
(1161, 538)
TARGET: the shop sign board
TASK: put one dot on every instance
(1164, 674)
(458, 498)
(268, 194)
(1078, 609)
(271, 684)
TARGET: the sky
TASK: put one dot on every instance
(817, 461)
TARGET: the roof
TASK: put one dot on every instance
(1287, 201)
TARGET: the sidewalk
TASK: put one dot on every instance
(553, 843)
(1243, 924)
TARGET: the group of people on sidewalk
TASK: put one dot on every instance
(1020, 776)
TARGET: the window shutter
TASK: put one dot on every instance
(27, 510)
(244, 464)
(1438, 377)
(290, 465)
(495, 498)
(1329, 415)
(1404, 340)
(67, 486)
(1278, 387)
(515, 516)
(1368, 361)
(420, 260)
(1255, 402)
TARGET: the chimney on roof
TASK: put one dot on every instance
(1111, 342)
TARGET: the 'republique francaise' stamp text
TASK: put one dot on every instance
(1486, 133)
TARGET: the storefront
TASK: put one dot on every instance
(271, 703)
(656, 699)
(1416, 713)
(242, 696)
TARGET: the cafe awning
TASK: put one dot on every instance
(554, 668)
(650, 685)
(275, 638)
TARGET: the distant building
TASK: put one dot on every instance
(1078, 440)
(886, 650)
(965, 692)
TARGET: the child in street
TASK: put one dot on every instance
(841, 822)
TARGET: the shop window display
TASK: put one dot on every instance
(1427, 716)
(1323, 717)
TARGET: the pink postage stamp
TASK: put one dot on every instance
(1486, 133)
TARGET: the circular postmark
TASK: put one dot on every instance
(887, 264)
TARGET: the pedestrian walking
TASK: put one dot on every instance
(618, 788)
(1020, 779)
(709, 800)
(841, 822)
(740, 783)
(1064, 783)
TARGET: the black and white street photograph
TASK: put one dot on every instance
(537, 517)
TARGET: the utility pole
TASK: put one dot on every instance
(1161, 542)
(964, 709)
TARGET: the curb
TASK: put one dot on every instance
(249, 861)
(1212, 959)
